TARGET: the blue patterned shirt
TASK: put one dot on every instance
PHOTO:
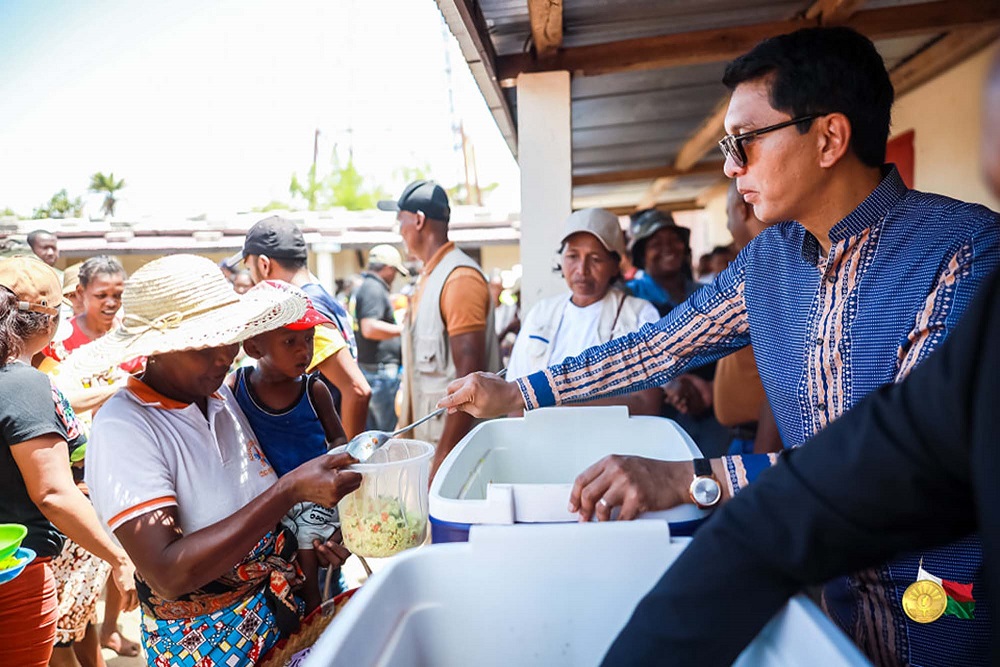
(826, 331)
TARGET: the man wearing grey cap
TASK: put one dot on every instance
(448, 331)
(595, 310)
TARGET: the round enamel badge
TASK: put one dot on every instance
(924, 601)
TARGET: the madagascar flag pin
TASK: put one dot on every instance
(930, 597)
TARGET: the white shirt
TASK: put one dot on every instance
(147, 452)
(578, 330)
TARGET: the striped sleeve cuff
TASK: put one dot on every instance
(135, 511)
(536, 391)
(742, 470)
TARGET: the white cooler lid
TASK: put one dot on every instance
(521, 470)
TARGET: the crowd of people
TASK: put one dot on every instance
(172, 436)
(173, 362)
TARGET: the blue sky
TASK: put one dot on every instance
(207, 107)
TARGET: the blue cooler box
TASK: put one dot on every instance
(514, 471)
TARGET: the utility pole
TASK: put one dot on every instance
(315, 148)
(457, 128)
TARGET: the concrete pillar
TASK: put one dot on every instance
(544, 153)
(324, 264)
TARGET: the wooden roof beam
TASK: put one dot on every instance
(653, 192)
(701, 46)
(546, 26)
(711, 130)
(831, 12)
(628, 175)
(941, 56)
(705, 138)
(666, 207)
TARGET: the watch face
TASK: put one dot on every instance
(705, 491)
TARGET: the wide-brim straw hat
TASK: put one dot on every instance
(183, 302)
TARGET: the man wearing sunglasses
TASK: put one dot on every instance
(855, 281)
(921, 463)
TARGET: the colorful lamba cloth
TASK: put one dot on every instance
(232, 621)
(233, 636)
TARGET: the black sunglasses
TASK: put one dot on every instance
(731, 145)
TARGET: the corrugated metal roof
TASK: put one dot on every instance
(588, 22)
(641, 119)
(633, 120)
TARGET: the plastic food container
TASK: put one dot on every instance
(388, 513)
(13, 565)
(11, 536)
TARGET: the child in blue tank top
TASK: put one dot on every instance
(294, 418)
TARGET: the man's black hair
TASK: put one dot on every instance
(33, 236)
(291, 263)
(820, 71)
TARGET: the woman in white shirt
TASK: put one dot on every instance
(593, 312)
(177, 474)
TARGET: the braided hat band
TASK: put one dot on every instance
(183, 302)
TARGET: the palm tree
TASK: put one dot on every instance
(60, 206)
(101, 183)
(310, 189)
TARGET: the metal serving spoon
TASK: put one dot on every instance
(363, 445)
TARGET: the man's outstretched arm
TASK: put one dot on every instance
(892, 475)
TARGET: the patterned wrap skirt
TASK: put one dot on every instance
(235, 619)
(80, 576)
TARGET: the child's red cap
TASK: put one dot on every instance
(312, 318)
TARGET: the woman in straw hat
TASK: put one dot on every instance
(37, 430)
(176, 472)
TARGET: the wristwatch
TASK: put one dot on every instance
(705, 491)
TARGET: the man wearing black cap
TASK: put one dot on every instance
(449, 326)
(275, 249)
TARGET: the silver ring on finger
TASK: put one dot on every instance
(604, 502)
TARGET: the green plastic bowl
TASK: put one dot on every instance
(11, 536)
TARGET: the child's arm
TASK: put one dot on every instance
(310, 589)
(327, 412)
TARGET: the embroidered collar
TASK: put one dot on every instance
(873, 209)
(870, 212)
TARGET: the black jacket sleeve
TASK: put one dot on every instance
(892, 475)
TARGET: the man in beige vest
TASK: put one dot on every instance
(448, 331)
